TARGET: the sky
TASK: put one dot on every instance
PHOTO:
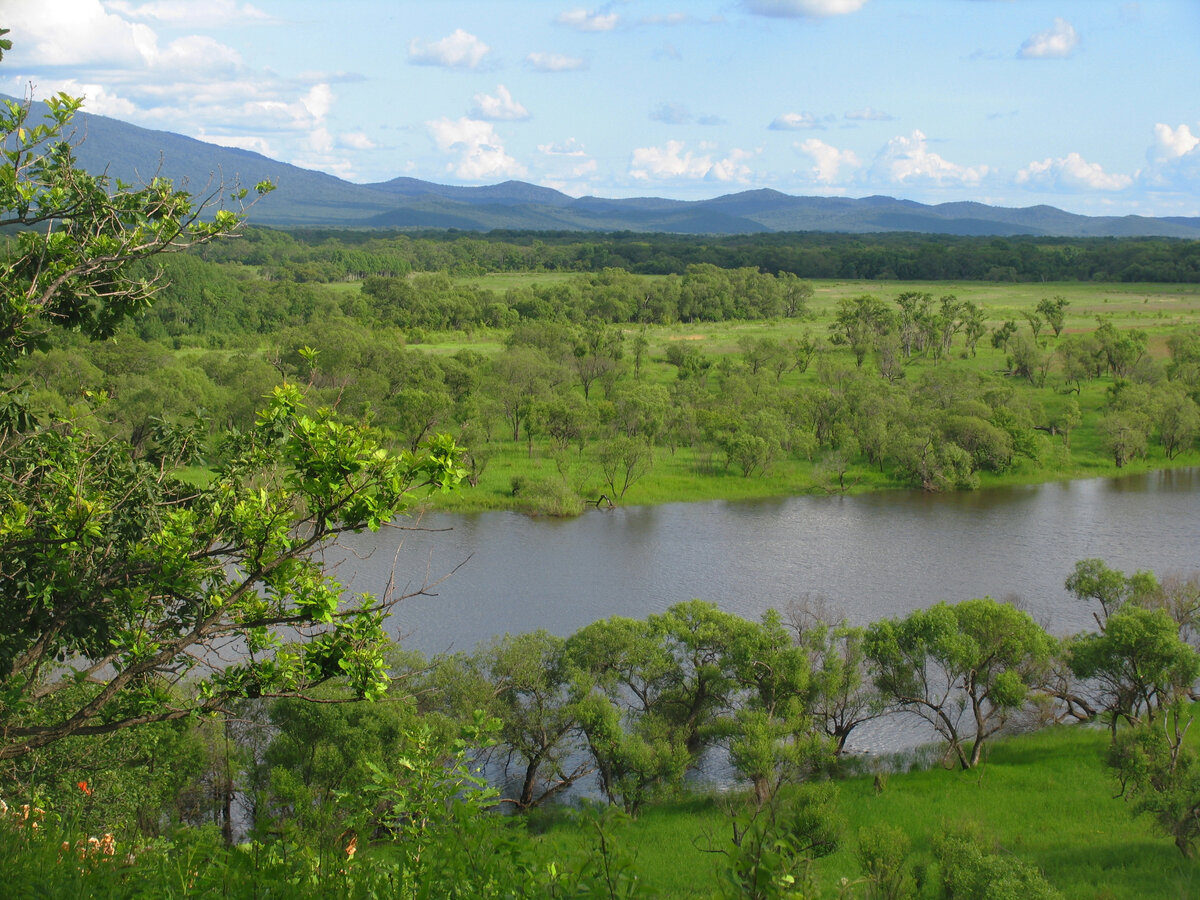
(1092, 106)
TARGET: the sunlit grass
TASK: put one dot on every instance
(1046, 798)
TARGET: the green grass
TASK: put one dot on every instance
(1046, 798)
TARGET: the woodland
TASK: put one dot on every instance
(190, 704)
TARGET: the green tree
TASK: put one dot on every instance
(1137, 665)
(123, 590)
(1159, 775)
(962, 668)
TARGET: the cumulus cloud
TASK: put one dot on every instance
(828, 161)
(1172, 143)
(189, 14)
(554, 62)
(77, 32)
(673, 161)
(804, 8)
(1071, 173)
(460, 50)
(867, 114)
(1056, 42)
(500, 108)
(793, 121)
(908, 159)
(588, 20)
(318, 101)
(480, 151)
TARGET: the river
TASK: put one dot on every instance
(870, 557)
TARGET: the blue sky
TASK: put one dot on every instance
(1089, 105)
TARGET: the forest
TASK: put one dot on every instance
(191, 705)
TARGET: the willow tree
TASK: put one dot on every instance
(127, 595)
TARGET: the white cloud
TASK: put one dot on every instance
(190, 14)
(867, 114)
(906, 160)
(1172, 143)
(75, 32)
(481, 153)
(588, 20)
(502, 107)
(793, 121)
(828, 161)
(241, 142)
(672, 161)
(356, 140)
(733, 167)
(200, 56)
(804, 8)
(318, 101)
(569, 147)
(554, 62)
(1071, 173)
(460, 50)
(1056, 42)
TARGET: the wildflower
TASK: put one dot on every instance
(352, 847)
(83, 786)
(108, 844)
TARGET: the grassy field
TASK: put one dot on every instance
(687, 475)
(1046, 798)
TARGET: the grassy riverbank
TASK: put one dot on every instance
(1045, 798)
(566, 480)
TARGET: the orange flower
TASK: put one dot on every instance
(83, 786)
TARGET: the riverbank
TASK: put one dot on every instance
(689, 477)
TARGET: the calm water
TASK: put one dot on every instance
(871, 557)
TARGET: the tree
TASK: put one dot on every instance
(859, 323)
(1053, 312)
(1137, 665)
(962, 668)
(128, 596)
(528, 682)
(1160, 775)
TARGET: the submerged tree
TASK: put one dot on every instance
(963, 668)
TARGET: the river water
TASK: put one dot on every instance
(868, 557)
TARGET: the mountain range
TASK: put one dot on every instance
(308, 198)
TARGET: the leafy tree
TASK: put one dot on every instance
(1054, 312)
(124, 592)
(775, 736)
(1137, 665)
(963, 668)
(1094, 580)
(528, 680)
(859, 323)
(1159, 775)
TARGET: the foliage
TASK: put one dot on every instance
(1160, 775)
(970, 871)
(122, 588)
(773, 844)
(963, 668)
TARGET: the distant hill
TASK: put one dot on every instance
(305, 197)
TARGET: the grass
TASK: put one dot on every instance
(1046, 798)
(687, 475)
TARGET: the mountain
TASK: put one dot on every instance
(304, 197)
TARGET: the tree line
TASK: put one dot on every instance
(326, 255)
